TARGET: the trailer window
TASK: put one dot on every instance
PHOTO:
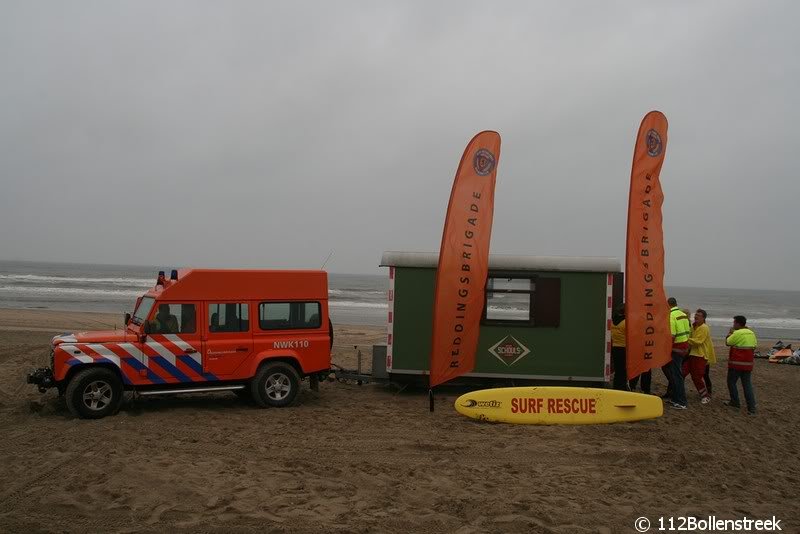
(228, 317)
(289, 315)
(534, 301)
(508, 300)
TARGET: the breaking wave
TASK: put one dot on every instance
(35, 278)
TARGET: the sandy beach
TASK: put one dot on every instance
(368, 459)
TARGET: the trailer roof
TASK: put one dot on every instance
(510, 262)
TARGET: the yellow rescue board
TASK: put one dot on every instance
(558, 406)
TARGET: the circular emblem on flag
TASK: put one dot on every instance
(483, 162)
(653, 141)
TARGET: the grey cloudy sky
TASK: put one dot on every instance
(264, 134)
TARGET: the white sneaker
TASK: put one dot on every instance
(705, 400)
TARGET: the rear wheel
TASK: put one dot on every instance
(276, 384)
(94, 393)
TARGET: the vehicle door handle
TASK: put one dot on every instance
(191, 351)
(241, 349)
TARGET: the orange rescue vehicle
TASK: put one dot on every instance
(257, 333)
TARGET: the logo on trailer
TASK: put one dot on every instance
(653, 141)
(483, 162)
(509, 350)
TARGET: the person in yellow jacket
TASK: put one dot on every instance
(680, 329)
(701, 350)
(618, 349)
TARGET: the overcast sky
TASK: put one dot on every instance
(265, 134)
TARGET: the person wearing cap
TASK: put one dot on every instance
(742, 342)
(701, 350)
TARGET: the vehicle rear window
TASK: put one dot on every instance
(289, 315)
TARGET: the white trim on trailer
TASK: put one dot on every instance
(502, 375)
(390, 321)
(609, 303)
(510, 262)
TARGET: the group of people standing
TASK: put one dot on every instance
(692, 355)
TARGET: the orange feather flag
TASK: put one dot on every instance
(647, 336)
(464, 261)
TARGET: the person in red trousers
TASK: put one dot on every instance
(699, 346)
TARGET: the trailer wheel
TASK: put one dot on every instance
(275, 384)
(94, 393)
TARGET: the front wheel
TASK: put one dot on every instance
(276, 384)
(94, 393)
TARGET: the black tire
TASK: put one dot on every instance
(276, 384)
(94, 393)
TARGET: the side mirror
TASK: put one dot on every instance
(127, 319)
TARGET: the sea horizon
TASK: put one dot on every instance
(378, 274)
(354, 298)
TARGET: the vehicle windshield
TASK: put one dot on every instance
(143, 310)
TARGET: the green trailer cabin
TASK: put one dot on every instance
(546, 319)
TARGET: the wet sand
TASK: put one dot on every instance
(369, 459)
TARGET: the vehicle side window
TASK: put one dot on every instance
(228, 317)
(174, 319)
(289, 315)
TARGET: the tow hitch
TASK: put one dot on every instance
(43, 378)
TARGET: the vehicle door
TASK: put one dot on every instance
(173, 347)
(229, 341)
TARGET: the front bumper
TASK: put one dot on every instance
(43, 378)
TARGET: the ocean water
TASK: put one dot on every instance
(353, 299)
(771, 314)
